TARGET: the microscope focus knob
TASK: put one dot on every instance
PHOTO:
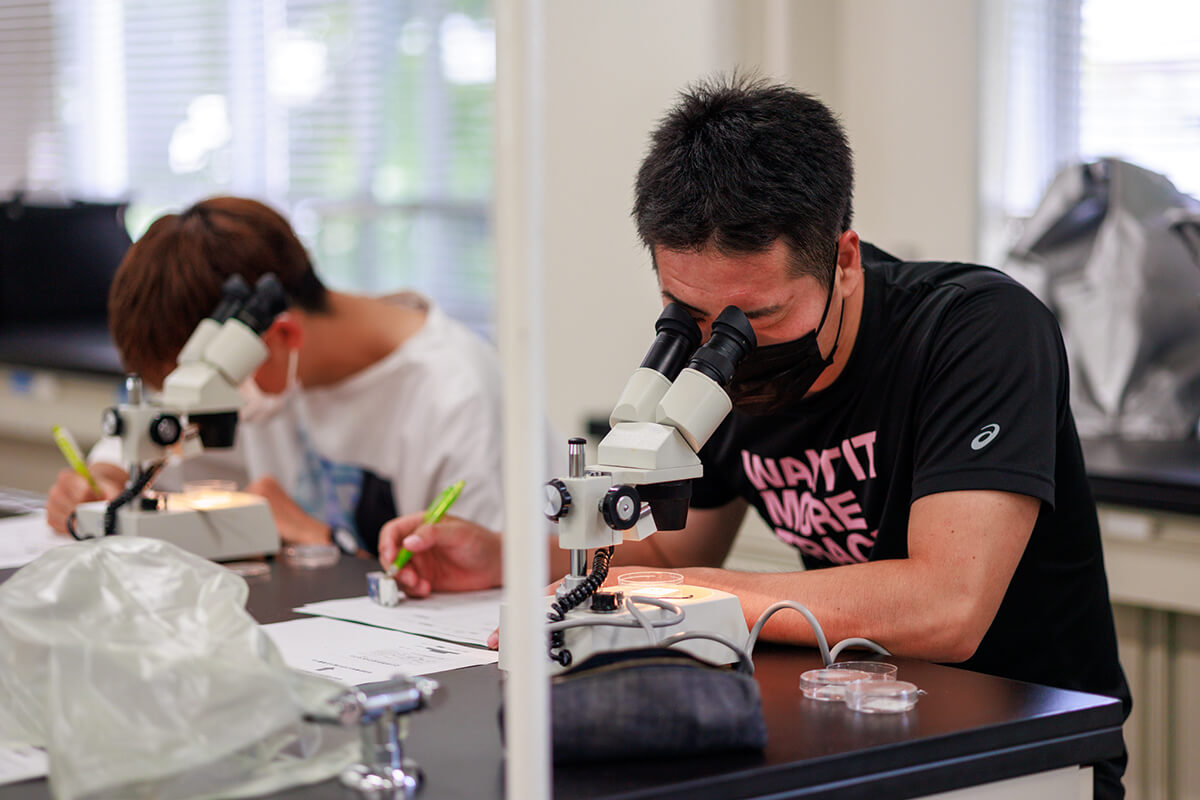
(558, 500)
(111, 422)
(165, 430)
(621, 508)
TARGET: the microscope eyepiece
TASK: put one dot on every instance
(234, 293)
(678, 337)
(732, 340)
(264, 305)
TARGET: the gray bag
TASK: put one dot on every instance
(652, 703)
(1114, 251)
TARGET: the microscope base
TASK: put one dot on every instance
(706, 610)
(241, 526)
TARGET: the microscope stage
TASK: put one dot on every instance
(232, 526)
(705, 610)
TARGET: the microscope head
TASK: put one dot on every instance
(665, 414)
(695, 404)
(224, 350)
(233, 354)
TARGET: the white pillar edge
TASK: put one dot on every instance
(519, 223)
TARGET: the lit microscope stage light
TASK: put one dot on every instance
(653, 584)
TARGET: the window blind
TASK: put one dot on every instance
(30, 147)
(1139, 70)
(1077, 80)
(368, 121)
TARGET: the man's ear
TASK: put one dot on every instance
(849, 274)
(286, 333)
(284, 337)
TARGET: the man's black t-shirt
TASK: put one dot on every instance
(957, 381)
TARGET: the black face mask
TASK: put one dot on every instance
(774, 376)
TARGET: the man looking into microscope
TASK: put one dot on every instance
(904, 426)
(365, 407)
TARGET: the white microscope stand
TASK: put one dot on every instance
(239, 526)
(706, 610)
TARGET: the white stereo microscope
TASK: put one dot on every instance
(198, 409)
(640, 484)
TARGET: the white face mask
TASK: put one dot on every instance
(261, 406)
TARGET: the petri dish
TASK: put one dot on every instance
(637, 579)
(210, 486)
(881, 696)
(207, 495)
(829, 684)
(650, 583)
(311, 556)
(248, 569)
(878, 670)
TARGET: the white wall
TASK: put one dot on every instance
(612, 69)
(900, 73)
(907, 90)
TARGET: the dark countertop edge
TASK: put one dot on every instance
(837, 777)
(1145, 474)
(1146, 494)
(1086, 732)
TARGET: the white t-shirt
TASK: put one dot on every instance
(384, 441)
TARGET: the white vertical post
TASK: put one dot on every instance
(519, 215)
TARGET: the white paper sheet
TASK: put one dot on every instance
(21, 762)
(467, 617)
(354, 654)
(23, 538)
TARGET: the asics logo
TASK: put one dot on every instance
(986, 434)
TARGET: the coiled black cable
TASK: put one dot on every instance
(560, 607)
(131, 491)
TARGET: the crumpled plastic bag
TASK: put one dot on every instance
(137, 667)
(1114, 251)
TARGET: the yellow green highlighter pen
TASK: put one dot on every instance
(70, 450)
(437, 509)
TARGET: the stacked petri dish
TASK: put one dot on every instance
(311, 556)
(829, 684)
(881, 696)
(876, 670)
(869, 687)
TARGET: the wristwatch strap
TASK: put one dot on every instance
(345, 540)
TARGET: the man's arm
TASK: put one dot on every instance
(455, 554)
(936, 604)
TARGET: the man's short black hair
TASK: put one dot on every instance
(739, 163)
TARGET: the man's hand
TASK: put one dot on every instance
(294, 523)
(70, 489)
(453, 555)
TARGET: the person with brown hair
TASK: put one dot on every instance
(365, 407)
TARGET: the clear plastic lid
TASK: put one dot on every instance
(650, 584)
(638, 579)
(881, 696)
(829, 683)
(210, 486)
(248, 569)
(878, 670)
(311, 556)
(207, 495)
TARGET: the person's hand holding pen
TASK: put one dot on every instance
(79, 483)
(451, 555)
